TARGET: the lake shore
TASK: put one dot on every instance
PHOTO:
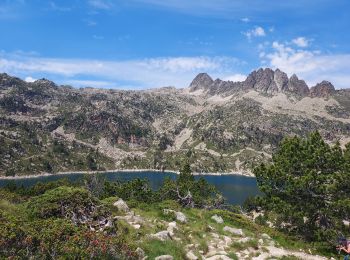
(246, 174)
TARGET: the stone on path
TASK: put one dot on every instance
(234, 231)
(178, 215)
(121, 205)
(217, 219)
(181, 217)
(191, 256)
(162, 235)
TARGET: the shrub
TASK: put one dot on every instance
(307, 185)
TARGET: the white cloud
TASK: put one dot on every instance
(258, 31)
(145, 73)
(301, 42)
(313, 66)
(231, 8)
(100, 4)
(90, 83)
(29, 79)
(236, 77)
(55, 7)
(245, 20)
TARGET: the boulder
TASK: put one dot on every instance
(217, 219)
(191, 256)
(180, 217)
(171, 227)
(162, 235)
(234, 231)
(265, 236)
(140, 253)
(121, 205)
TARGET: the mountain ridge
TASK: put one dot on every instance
(219, 127)
(266, 81)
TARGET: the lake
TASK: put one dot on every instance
(234, 188)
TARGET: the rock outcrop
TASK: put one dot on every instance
(201, 81)
(261, 80)
(121, 205)
(297, 86)
(265, 81)
(323, 89)
(217, 219)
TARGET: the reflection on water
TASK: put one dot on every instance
(234, 188)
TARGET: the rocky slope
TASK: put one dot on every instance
(199, 234)
(222, 126)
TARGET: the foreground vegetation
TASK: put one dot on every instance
(307, 190)
(304, 209)
(61, 220)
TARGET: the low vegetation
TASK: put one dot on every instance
(303, 210)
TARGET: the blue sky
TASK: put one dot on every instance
(137, 44)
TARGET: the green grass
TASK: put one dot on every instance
(154, 248)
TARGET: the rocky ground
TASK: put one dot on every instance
(169, 232)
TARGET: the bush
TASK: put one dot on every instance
(76, 204)
(307, 185)
(189, 192)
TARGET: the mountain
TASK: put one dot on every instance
(265, 81)
(221, 126)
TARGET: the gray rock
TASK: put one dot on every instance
(281, 80)
(180, 217)
(201, 81)
(217, 219)
(140, 253)
(162, 235)
(297, 86)
(235, 231)
(164, 257)
(121, 205)
(265, 236)
(191, 256)
(323, 89)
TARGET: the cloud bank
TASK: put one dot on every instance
(142, 73)
(311, 65)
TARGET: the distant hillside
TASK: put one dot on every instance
(222, 126)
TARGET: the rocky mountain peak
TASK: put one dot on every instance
(297, 86)
(7, 81)
(281, 80)
(201, 81)
(323, 89)
(263, 80)
(45, 82)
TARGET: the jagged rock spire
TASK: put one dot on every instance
(201, 81)
(264, 80)
(323, 89)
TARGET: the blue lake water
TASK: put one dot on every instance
(234, 188)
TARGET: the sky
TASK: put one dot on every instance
(141, 44)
